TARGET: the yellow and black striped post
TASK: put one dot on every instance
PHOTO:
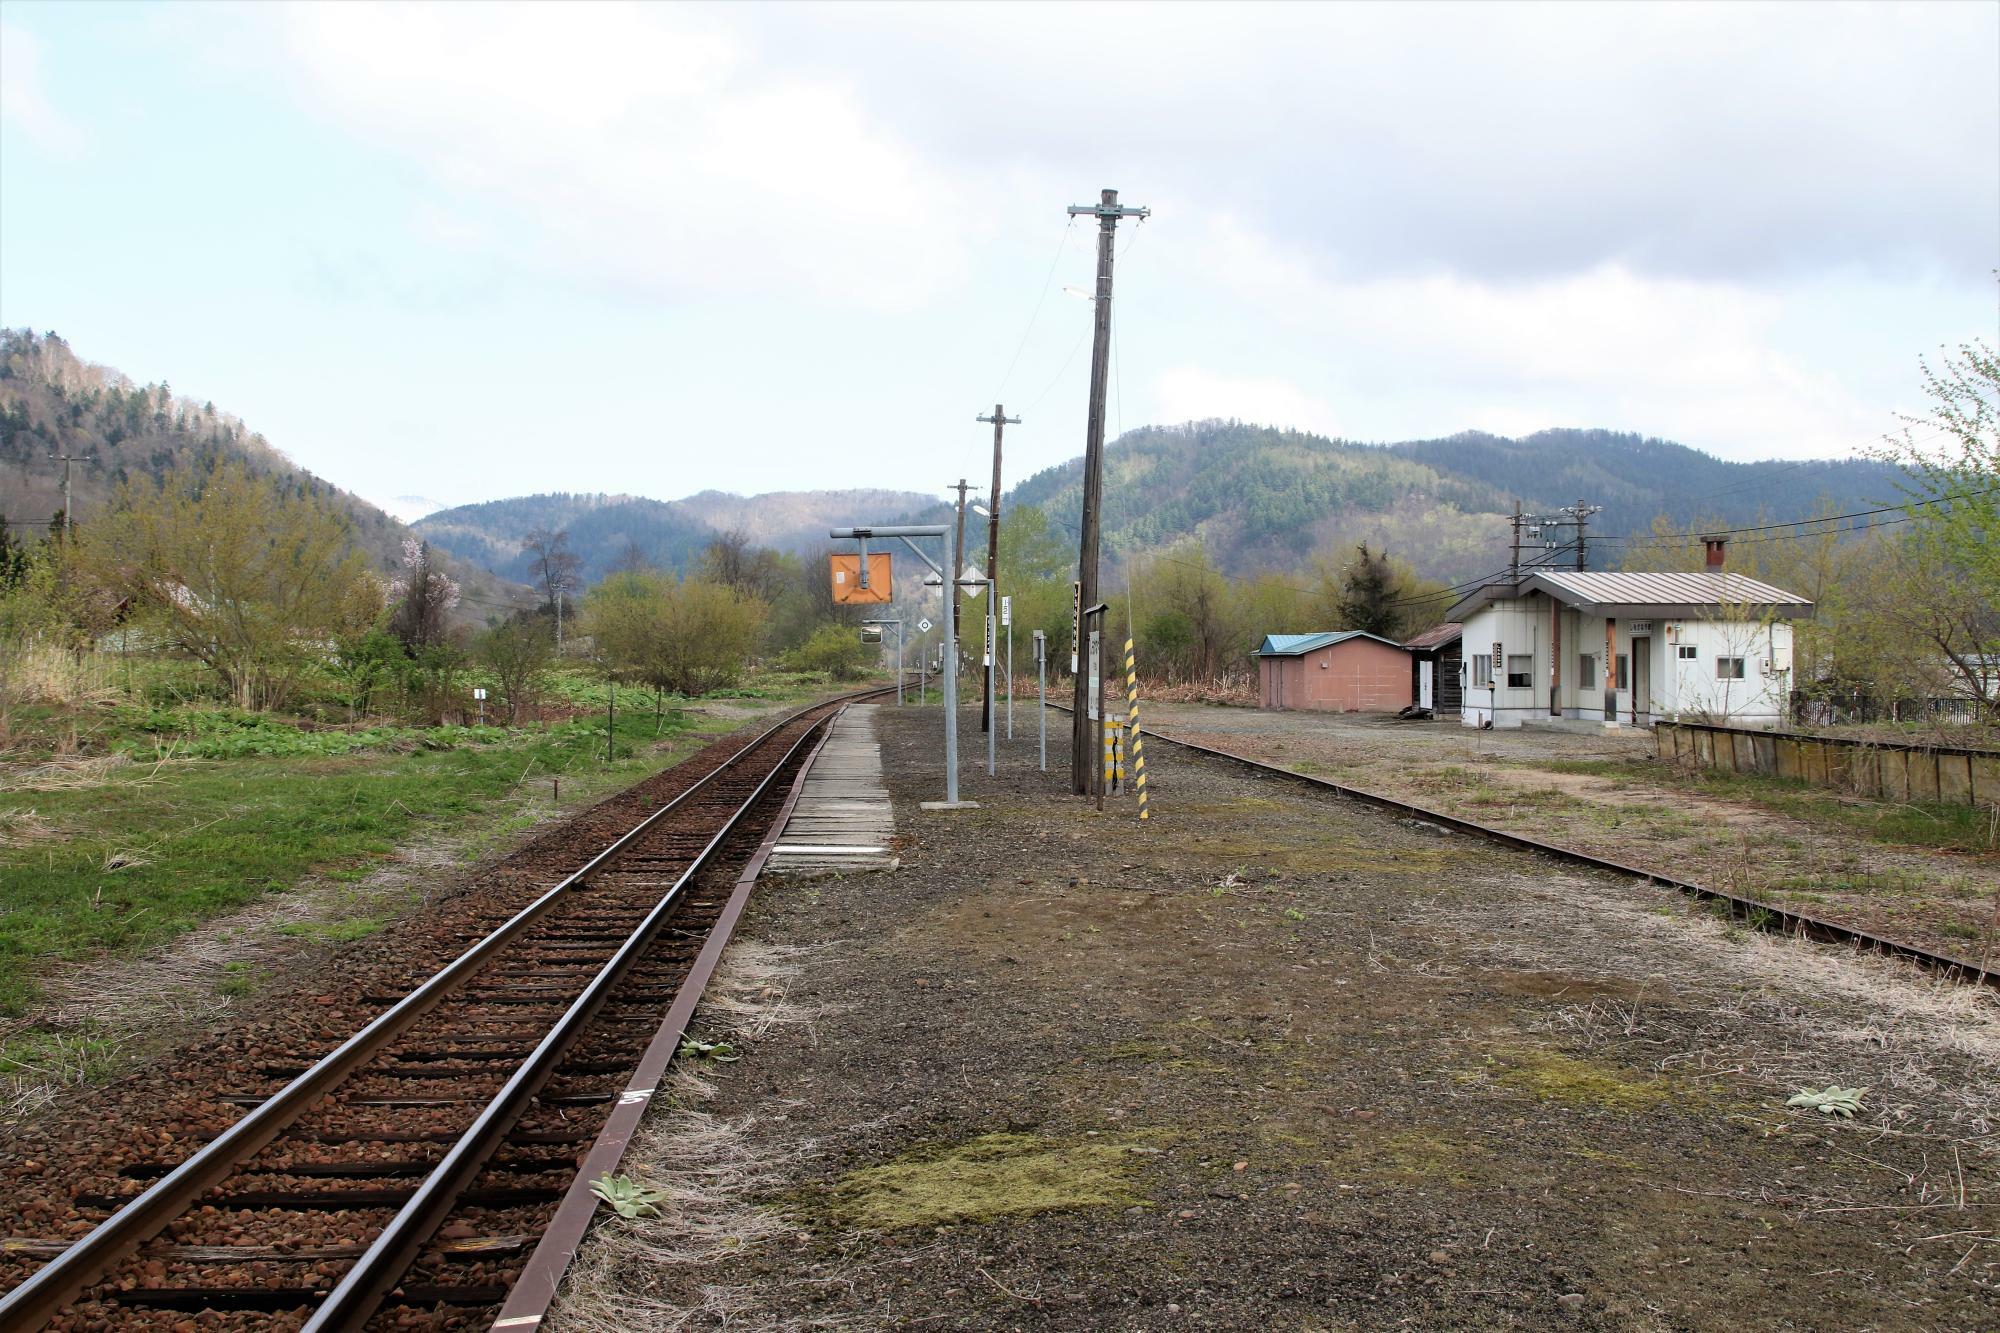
(1132, 720)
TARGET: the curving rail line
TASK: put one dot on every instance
(565, 991)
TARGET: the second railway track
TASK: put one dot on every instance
(1751, 911)
(402, 1178)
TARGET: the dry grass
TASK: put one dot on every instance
(23, 828)
(37, 672)
(1929, 1047)
(36, 1069)
(661, 1273)
(75, 773)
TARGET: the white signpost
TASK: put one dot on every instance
(1007, 619)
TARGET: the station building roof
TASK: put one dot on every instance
(1706, 594)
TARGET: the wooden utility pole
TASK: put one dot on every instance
(1514, 551)
(1000, 421)
(958, 569)
(1083, 765)
(69, 524)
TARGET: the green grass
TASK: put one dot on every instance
(334, 932)
(207, 837)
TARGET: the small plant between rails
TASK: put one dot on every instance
(410, 1171)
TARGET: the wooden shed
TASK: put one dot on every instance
(1435, 656)
(1347, 671)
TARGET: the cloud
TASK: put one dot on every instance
(646, 148)
(23, 103)
(1507, 140)
(1192, 393)
(1700, 360)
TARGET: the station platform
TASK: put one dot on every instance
(843, 821)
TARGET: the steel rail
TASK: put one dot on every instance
(535, 1286)
(362, 1289)
(58, 1282)
(1765, 916)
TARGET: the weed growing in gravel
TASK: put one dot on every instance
(340, 931)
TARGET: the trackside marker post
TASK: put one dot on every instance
(1138, 743)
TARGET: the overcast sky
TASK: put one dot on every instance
(466, 252)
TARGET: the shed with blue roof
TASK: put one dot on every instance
(1340, 671)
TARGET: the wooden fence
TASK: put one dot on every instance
(1884, 769)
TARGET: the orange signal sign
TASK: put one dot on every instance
(847, 589)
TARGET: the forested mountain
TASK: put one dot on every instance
(610, 531)
(604, 531)
(1637, 478)
(1260, 498)
(54, 402)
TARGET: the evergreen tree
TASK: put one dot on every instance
(1368, 593)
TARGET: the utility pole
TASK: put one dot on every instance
(1107, 211)
(1583, 513)
(1514, 556)
(1000, 421)
(957, 571)
(69, 523)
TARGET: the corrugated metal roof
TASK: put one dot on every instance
(1642, 593)
(1288, 645)
(1436, 637)
(1652, 589)
(1291, 645)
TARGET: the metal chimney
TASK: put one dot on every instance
(1717, 548)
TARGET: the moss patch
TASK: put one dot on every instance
(1555, 1077)
(994, 1175)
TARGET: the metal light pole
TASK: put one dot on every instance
(1042, 689)
(909, 535)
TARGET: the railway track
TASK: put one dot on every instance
(405, 1178)
(1750, 911)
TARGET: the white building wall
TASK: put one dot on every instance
(1676, 687)
(1522, 629)
(1694, 690)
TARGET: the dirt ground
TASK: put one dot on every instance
(1279, 1060)
(1945, 902)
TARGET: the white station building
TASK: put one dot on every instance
(1627, 649)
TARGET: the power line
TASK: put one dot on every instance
(1062, 246)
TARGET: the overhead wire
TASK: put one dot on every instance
(1062, 247)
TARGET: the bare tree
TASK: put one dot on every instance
(555, 565)
(517, 652)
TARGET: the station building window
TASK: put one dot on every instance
(1520, 671)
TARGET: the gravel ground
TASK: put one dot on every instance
(1279, 1060)
(1650, 815)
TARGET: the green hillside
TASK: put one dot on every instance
(1264, 498)
(607, 531)
(1636, 478)
(54, 402)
